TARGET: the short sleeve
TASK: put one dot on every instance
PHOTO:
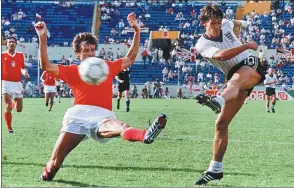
(114, 67)
(206, 50)
(22, 63)
(69, 73)
(227, 23)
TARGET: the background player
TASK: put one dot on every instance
(220, 46)
(12, 66)
(123, 79)
(91, 115)
(270, 89)
(49, 88)
(57, 84)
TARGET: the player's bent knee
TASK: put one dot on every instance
(221, 125)
(233, 83)
(8, 108)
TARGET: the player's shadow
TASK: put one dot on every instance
(75, 183)
(128, 167)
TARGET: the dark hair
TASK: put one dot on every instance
(210, 12)
(11, 37)
(89, 38)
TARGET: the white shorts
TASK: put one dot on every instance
(12, 88)
(49, 89)
(85, 120)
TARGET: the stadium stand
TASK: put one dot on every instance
(67, 19)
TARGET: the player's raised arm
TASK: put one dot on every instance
(133, 51)
(45, 64)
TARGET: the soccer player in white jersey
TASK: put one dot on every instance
(270, 89)
(220, 46)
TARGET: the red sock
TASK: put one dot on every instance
(8, 119)
(132, 134)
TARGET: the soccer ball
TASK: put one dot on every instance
(93, 70)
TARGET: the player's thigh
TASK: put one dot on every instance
(7, 99)
(46, 95)
(230, 110)
(127, 93)
(274, 97)
(18, 104)
(52, 95)
(65, 143)
(246, 77)
(111, 128)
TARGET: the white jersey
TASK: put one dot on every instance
(208, 47)
(269, 79)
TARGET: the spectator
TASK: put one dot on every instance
(200, 77)
(148, 86)
(144, 55)
(216, 78)
(110, 54)
(134, 92)
(208, 77)
(180, 93)
(70, 60)
(164, 74)
(166, 93)
(144, 93)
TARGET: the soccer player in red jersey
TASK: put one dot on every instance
(12, 66)
(49, 88)
(91, 115)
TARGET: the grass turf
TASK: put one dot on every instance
(260, 150)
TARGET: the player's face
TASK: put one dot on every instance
(87, 50)
(11, 44)
(214, 27)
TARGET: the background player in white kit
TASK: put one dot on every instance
(270, 89)
(220, 46)
(58, 93)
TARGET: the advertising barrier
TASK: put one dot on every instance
(258, 94)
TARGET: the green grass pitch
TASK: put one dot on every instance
(260, 150)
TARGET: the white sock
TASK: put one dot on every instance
(220, 100)
(267, 108)
(215, 166)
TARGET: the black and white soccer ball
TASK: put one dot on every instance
(93, 70)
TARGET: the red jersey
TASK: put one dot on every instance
(49, 79)
(11, 66)
(85, 94)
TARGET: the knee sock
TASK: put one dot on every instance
(8, 120)
(128, 103)
(132, 134)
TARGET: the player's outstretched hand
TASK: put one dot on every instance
(252, 45)
(133, 22)
(41, 29)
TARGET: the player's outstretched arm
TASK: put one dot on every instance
(45, 64)
(232, 52)
(133, 51)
